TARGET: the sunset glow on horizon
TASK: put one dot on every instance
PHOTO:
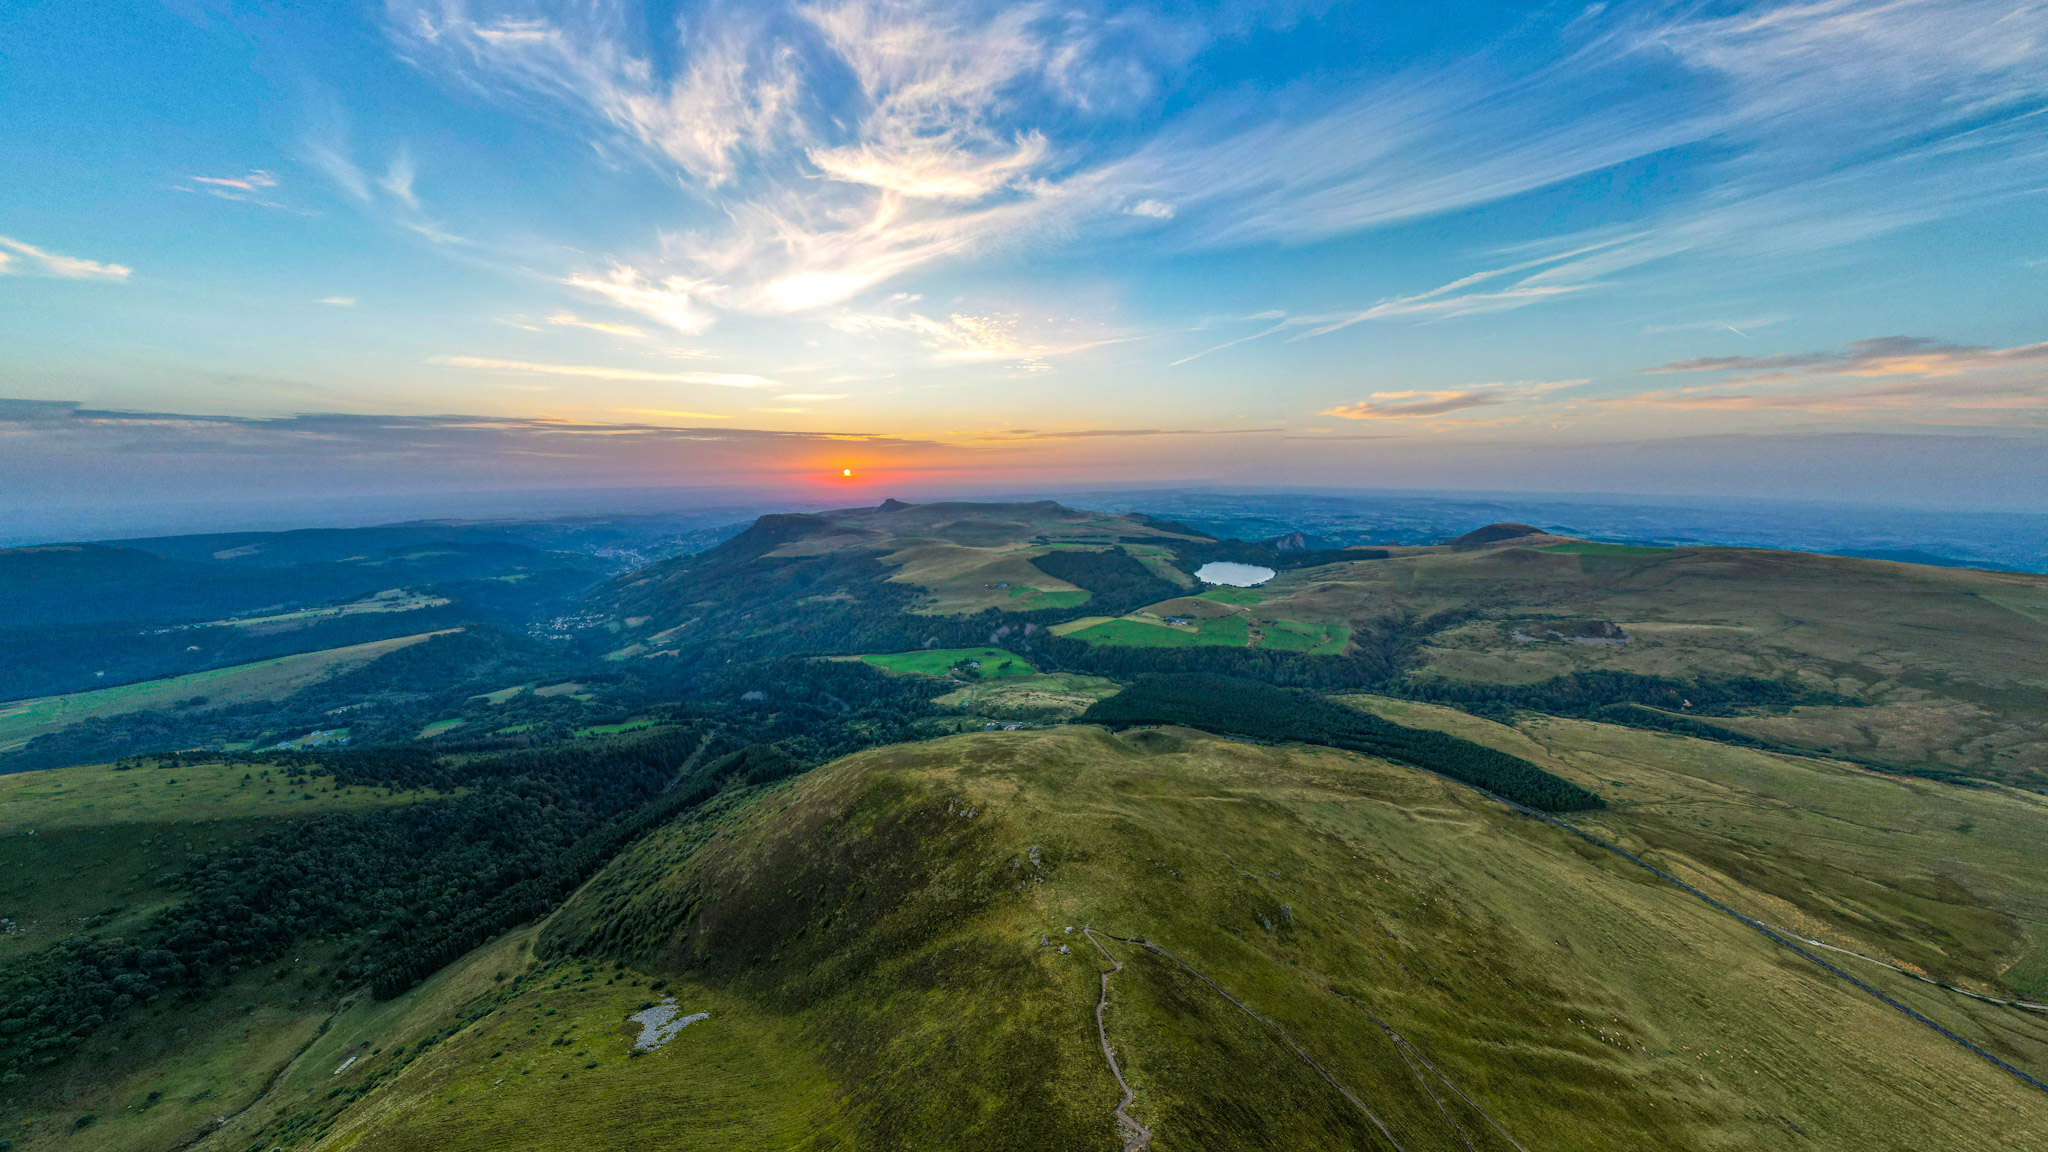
(500, 244)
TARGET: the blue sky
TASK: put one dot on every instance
(960, 243)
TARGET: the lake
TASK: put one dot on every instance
(1235, 575)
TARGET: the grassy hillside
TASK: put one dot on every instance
(1941, 880)
(91, 848)
(892, 953)
(24, 720)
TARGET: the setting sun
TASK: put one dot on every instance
(846, 471)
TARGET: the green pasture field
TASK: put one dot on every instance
(1135, 634)
(1243, 597)
(1129, 632)
(1224, 632)
(23, 720)
(1314, 639)
(439, 728)
(940, 661)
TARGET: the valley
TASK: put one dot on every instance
(1512, 841)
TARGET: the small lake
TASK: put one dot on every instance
(1235, 575)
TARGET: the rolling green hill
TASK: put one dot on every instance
(1307, 948)
(725, 859)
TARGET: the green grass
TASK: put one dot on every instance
(90, 848)
(892, 905)
(615, 729)
(1289, 636)
(1314, 639)
(1339, 639)
(1593, 548)
(100, 794)
(867, 939)
(940, 661)
(23, 720)
(1030, 599)
(1224, 632)
(1937, 877)
(203, 1061)
(1135, 634)
(319, 738)
(1048, 695)
(1243, 597)
(440, 728)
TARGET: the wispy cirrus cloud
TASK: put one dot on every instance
(18, 258)
(599, 372)
(1926, 401)
(827, 151)
(568, 319)
(974, 338)
(674, 300)
(920, 164)
(252, 187)
(1492, 290)
(1935, 378)
(390, 196)
(1878, 356)
(1121, 433)
(1417, 404)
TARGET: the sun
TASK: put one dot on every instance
(846, 471)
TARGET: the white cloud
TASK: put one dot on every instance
(1412, 405)
(390, 197)
(967, 338)
(337, 301)
(249, 183)
(573, 321)
(815, 396)
(398, 180)
(838, 146)
(21, 259)
(672, 301)
(592, 372)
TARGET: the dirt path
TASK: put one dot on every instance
(2027, 1006)
(1783, 939)
(1197, 973)
(1136, 1136)
(263, 1094)
(692, 761)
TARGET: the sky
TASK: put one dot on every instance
(252, 251)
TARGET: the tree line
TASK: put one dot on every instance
(407, 889)
(1265, 712)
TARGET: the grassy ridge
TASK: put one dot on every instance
(879, 944)
(1249, 708)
